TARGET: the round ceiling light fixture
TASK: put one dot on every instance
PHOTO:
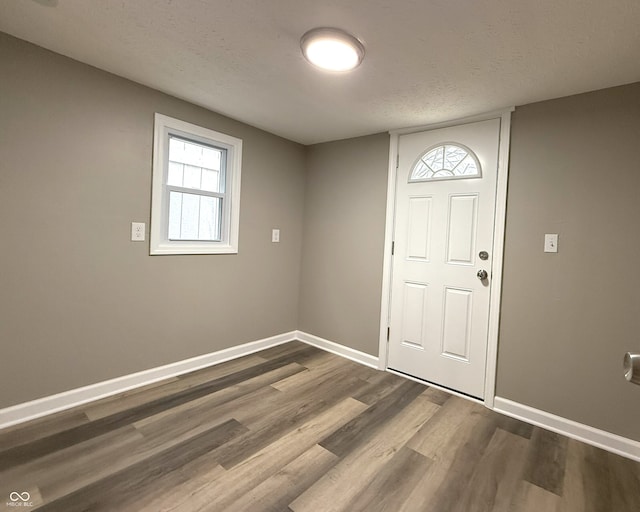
(332, 49)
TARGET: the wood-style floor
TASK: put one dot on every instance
(295, 428)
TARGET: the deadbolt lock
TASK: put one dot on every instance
(484, 255)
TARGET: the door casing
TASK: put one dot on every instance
(497, 249)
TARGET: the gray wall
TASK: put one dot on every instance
(568, 318)
(79, 302)
(345, 204)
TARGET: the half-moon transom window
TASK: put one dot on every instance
(446, 162)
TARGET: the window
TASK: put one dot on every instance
(195, 202)
(446, 162)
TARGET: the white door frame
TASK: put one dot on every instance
(498, 240)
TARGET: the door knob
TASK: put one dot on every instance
(632, 367)
(482, 275)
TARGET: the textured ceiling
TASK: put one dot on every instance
(427, 61)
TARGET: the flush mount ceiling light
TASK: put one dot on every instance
(332, 49)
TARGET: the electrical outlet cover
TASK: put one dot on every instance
(551, 243)
(137, 231)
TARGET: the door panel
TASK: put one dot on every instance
(461, 232)
(414, 314)
(439, 308)
(457, 323)
(418, 230)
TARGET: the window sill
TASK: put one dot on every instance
(163, 250)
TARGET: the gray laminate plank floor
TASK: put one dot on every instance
(297, 429)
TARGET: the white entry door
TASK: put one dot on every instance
(443, 238)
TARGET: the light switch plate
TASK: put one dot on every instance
(551, 243)
(275, 235)
(137, 231)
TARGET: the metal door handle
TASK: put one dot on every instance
(632, 367)
(482, 275)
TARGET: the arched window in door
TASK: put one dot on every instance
(448, 161)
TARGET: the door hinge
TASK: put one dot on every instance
(388, 332)
(397, 160)
(393, 247)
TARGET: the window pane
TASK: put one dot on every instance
(209, 218)
(421, 171)
(211, 158)
(211, 181)
(175, 214)
(192, 154)
(453, 156)
(194, 217)
(190, 214)
(467, 167)
(435, 157)
(176, 147)
(192, 176)
(176, 171)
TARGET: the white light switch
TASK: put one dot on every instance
(275, 235)
(551, 243)
(137, 231)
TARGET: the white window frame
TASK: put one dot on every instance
(164, 126)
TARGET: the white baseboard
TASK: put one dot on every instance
(590, 435)
(54, 403)
(72, 398)
(336, 348)
(66, 400)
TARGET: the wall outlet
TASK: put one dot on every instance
(275, 235)
(137, 231)
(551, 243)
